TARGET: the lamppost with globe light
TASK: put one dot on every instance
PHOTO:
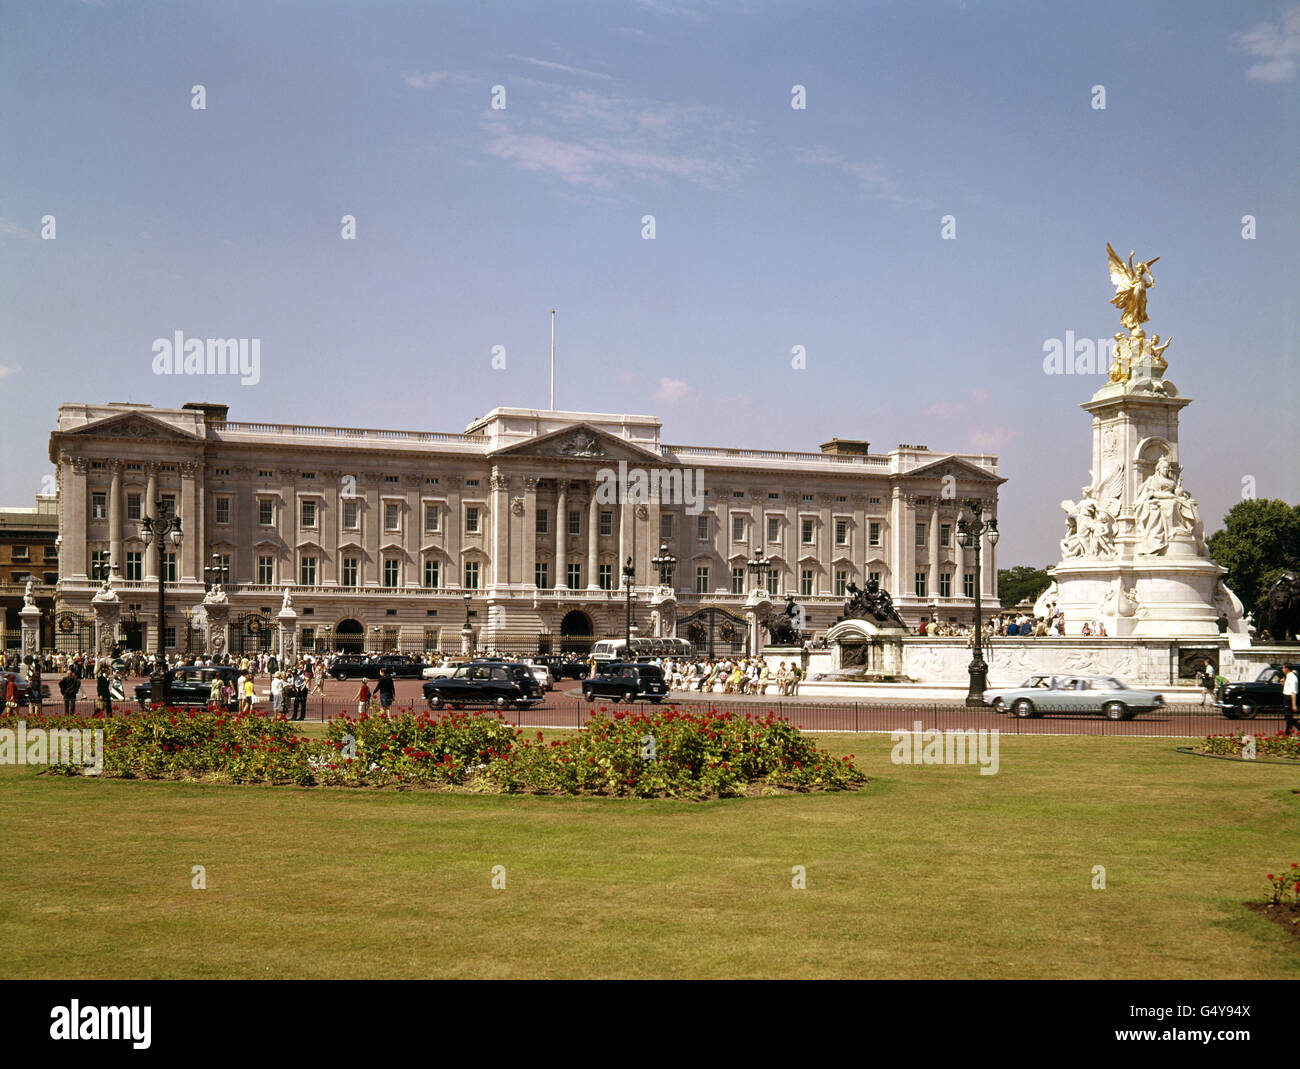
(159, 531)
(759, 565)
(665, 563)
(629, 575)
(974, 532)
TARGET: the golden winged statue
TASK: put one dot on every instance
(1131, 283)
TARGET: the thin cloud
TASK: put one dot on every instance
(6, 371)
(871, 177)
(10, 229)
(425, 81)
(995, 438)
(671, 390)
(550, 66)
(1276, 45)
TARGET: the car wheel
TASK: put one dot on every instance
(1024, 709)
(586, 693)
(340, 676)
(1116, 711)
(1229, 714)
(435, 703)
(998, 707)
(1246, 712)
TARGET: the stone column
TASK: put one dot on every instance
(217, 610)
(108, 608)
(593, 539)
(529, 540)
(500, 528)
(115, 512)
(288, 624)
(150, 507)
(74, 518)
(932, 582)
(561, 533)
(30, 616)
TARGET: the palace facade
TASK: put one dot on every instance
(519, 528)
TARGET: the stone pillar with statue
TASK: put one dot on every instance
(108, 610)
(287, 620)
(1133, 557)
(30, 619)
(216, 611)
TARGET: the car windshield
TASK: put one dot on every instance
(1269, 675)
(651, 671)
(1111, 683)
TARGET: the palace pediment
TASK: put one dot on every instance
(961, 470)
(135, 425)
(582, 442)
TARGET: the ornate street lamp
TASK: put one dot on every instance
(973, 532)
(217, 573)
(467, 632)
(759, 565)
(629, 576)
(665, 563)
(158, 531)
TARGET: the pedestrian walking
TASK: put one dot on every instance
(385, 689)
(70, 687)
(1207, 682)
(1290, 685)
(363, 698)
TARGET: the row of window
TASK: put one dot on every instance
(23, 553)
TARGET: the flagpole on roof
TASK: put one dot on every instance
(552, 359)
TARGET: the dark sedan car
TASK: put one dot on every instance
(485, 683)
(191, 686)
(1244, 701)
(626, 681)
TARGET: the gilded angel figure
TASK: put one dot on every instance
(1131, 284)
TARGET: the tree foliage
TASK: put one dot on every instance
(1021, 582)
(1258, 538)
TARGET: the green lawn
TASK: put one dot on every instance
(928, 872)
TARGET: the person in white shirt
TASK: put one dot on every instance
(1290, 686)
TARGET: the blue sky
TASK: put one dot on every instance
(774, 227)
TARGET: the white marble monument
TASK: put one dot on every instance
(1133, 557)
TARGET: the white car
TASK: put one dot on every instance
(1041, 694)
(542, 673)
(444, 670)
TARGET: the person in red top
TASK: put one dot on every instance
(363, 698)
(11, 693)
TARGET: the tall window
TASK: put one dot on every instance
(841, 583)
(432, 574)
(266, 571)
(968, 585)
(391, 567)
(702, 528)
(875, 576)
(806, 582)
(606, 523)
(471, 575)
(134, 565)
(773, 529)
(737, 528)
(737, 580)
(873, 534)
(392, 516)
(945, 585)
(605, 576)
(308, 514)
(543, 521)
(169, 504)
(431, 518)
(223, 509)
(99, 505)
(351, 515)
(169, 567)
(350, 569)
(99, 564)
(471, 519)
(841, 532)
(575, 521)
(542, 574)
(575, 576)
(133, 507)
(307, 571)
(806, 531)
(665, 526)
(773, 582)
(702, 579)
(266, 512)
(920, 584)
(945, 535)
(920, 534)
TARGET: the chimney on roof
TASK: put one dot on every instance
(846, 446)
(212, 413)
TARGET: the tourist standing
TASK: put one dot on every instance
(1290, 686)
(1207, 682)
(363, 698)
(69, 687)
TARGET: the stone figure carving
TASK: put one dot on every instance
(870, 603)
(1281, 605)
(1090, 524)
(287, 603)
(1228, 604)
(1164, 509)
(1118, 601)
(1131, 285)
(29, 595)
(581, 445)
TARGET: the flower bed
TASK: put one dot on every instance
(1281, 744)
(666, 753)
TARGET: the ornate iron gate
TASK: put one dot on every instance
(251, 633)
(715, 632)
(74, 633)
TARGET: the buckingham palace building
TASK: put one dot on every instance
(515, 533)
